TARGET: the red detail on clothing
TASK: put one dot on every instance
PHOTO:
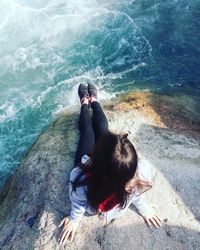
(88, 175)
(109, 203)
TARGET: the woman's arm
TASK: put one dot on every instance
(78, 206)
(79, 203)
(146, 172)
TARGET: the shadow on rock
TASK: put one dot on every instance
(36, 199)
(118, 236)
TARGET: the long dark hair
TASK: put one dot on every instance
(113, 163)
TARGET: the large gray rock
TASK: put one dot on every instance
(36, 198)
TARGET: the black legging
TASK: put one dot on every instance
(90, 129)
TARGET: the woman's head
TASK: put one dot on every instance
(115, 157)
(114, 163)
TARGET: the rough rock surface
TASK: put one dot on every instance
(163, 130)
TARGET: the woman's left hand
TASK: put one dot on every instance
(153, 219)
(68, 230)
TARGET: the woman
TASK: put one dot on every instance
(108, 176)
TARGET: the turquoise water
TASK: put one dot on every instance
(48, 47)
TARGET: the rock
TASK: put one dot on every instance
(164, 131)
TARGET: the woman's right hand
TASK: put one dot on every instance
(68, 230)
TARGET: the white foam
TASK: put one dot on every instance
(7, 110)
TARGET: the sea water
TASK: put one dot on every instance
(48, 47)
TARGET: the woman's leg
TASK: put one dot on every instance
(99, 120)
(87, 137)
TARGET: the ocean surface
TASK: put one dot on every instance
(48, 47)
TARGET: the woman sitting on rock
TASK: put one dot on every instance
(108, 176)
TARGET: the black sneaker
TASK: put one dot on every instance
(82, 91)
(92, 90)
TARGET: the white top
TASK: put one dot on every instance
(80, 204)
